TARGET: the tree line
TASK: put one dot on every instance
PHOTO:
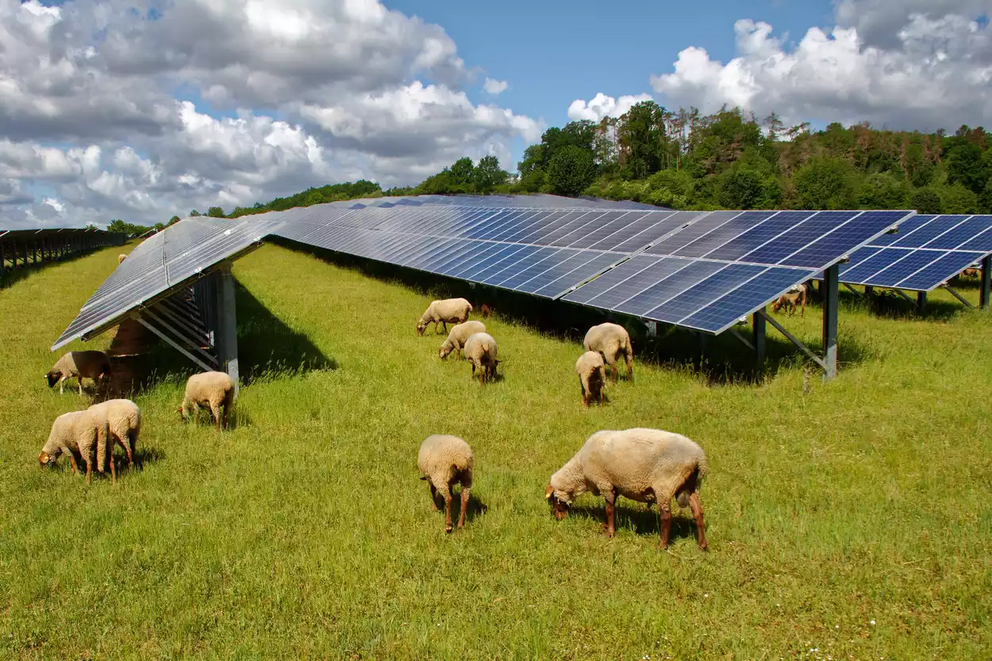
(728, 160)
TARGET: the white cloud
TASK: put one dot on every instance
(879, 21)
(495, 87)
(937, 77)
(601, 106)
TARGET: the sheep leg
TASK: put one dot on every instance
(447, 510)
(697, 512)
(72, 458)
(79, 380)
(585, 396)
(465, 495)
(110, 458)
(433, 497)
(630, 369)
(226, 425)
(611, 497)
(215, 410)
(665, 511)
(62, 385)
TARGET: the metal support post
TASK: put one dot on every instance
(226, 339)
(831, 277)
(758, 333)
(921, 301)
(3, 259)
(869, 291)
(986, 281)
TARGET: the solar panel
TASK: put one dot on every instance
(926, 252)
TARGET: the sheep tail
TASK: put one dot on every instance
(692, 483)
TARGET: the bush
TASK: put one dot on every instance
(926, 200)
(570, 171)
(825, 183)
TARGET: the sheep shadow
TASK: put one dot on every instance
(141, 456)
(643, 521)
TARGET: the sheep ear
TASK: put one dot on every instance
(549, 492)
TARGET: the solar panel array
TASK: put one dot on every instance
(926, 252)
(701, 270)
(162, 262)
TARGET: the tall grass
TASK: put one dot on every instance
(851, 519)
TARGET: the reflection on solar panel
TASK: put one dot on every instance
(162, 263)
(925, 253)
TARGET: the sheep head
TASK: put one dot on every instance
(53, 378)
(421, 327)
(445, 350)
(45, 459)
(558, 506)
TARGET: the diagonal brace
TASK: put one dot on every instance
(792, 338)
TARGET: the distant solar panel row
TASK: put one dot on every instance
(926, 252)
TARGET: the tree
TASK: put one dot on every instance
(488, 175)
(825, 183)
(461, 174)
(570, 171)
(966, 166)
(926, 200)
(883, 191)
(174, 220)
(194, 213)
(741, 189)
(774, 125)
(641, 139)
(215, 212)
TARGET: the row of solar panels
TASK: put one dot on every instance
(702, 270)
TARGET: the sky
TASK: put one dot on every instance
(145, 109)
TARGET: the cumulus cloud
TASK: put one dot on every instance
(938, 76)
(140, 109)
(601, 106)
(495, 87)
(879, 22)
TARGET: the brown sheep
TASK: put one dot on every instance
(792, 298)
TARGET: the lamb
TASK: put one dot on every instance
(78, 431)
(481, 350)
(213, 389)
(790, 299)
(451, 310)
(646, 465)
(611, 341)
(592, 375)
(444, 461)
(124, 420)
(458, 336)
(121, 257)
(78, 364)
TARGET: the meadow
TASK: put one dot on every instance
(846, 520)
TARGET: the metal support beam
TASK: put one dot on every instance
(903, 294)
(168, 340)
(869, 291)
(191, 343)
(921, 301)
(758, 334)
(958, 296)
(986, 282)
(740, 338)
(792, 338)
(226, 339)
(831, 277)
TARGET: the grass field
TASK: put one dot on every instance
(846, 520)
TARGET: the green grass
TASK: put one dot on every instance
(854, 520)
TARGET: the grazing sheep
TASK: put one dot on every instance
(481, 351)
(451, 310)
(121, 257)
(971, 273)
(208, 389)
(78, 364)
(486, 311)
(78, 431)
(646, 465)
(592, 376)
(611, 341)
(444, 461)
(790, 299)
(124, 420)
(459, 336)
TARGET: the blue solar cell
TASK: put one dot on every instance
(884, 258)
(937, 272)
(491, 257)
(798, 237)
(924, 235)
(982, 242)
(612, 278)
(821, 252)
(858, 256)
(903, 268)
(961, 233)
(640, 232)
(456, 247)
(637, 281)
(521, 233)
(726, 311)
(526, 273)
(478, 251)
(571, 261)
(724, 233)
(514, 266)
(906, 227)
(596, 221)
(494, 264)
(496, 224)
(604, 230)
(556, 288)
(693, 273)
(522, 222)
(704, 293)
(545, 234)
(701, 225)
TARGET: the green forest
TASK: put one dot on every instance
(727, 160)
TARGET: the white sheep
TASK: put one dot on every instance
(443, 462)
(459, 336)
(481, 351)
(208, 389)
(451, 310)
(646, 465)
(121, 257)
(592, 376)
(78, 364)
(611, 341)
(124, 420)
(82, 432)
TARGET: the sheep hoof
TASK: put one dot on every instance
(447, 528)
(704, 547)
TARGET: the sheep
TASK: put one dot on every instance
(790, 299)
(486, 311)
(592, 376)
(458, 336)
(444, 461)
(124, 419)
(481, 350)
(452, 310)
(78, 431)
(213, 389)
(121, 257)
(971, 273)
(646, 465)
(611, 341)
(78, 364)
